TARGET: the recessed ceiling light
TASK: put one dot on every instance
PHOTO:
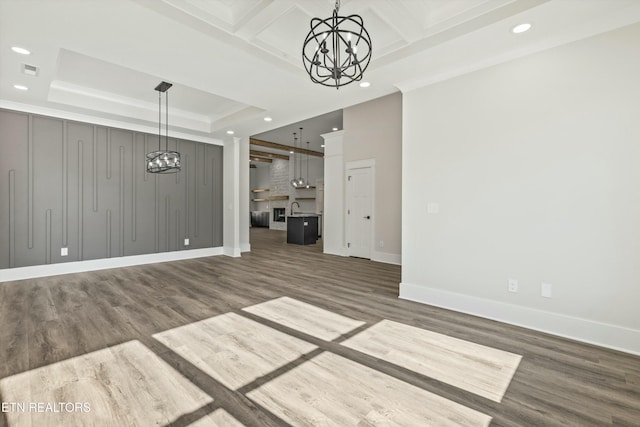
(322, 146)
(290, 152)
(521, 28)
(267, 119)
(21, 87)
(230, 132)
(335, 129)
(365, 84)
(20, 50)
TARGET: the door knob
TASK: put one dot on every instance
(367, 217)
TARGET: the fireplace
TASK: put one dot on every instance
(278, 214)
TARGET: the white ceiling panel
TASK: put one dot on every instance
(279, 35)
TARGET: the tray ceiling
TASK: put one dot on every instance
(233, 62)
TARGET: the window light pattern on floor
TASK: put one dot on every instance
(306, 318)
(232, 349)
(482, 370)
(124, 385)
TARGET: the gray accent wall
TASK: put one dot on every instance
(66, 184)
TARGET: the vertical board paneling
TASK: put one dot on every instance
(166, 222)
(83, 193)
(178, 244)
(108, 153)
(30, 179)
(12, 218)
(213, 195)
(157, 213)
(65, 185)
(47, 234)
(122, 219)
(186, 171)
(80, 198)
(196, 192)
(95, 168)
(134, 184)
(178, 150)
(108, 229)
(146, 150)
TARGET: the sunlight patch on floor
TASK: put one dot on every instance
(232, 349)
(482, 370)
(126, 384)
(304, 317)
(332, 390)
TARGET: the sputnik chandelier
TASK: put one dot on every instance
(163, 161)
(337, 50)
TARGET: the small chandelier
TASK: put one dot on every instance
(337, 50)
(298, 182)
(163, 161)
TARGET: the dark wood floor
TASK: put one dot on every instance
(558, 382)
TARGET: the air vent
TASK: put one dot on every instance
(30, 70)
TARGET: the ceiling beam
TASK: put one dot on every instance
(283, 147)
(260, 159)
(270, 155)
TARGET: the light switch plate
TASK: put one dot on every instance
(433, 208)
(64, 251)
(545, 290)
(186, 242)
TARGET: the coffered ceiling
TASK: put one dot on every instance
(234, 62)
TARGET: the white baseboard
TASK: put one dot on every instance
(231, 251)
(245, 247)
(21, 273)
(386, 257)
(335, 251)
(588, 331)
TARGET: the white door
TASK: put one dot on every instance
(359, 212)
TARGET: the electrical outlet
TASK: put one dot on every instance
(433, 208)
(64, 251)
(545, 290)
(381, 243)
(186, 242)
(513, 285)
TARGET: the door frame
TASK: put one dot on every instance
(361, 164)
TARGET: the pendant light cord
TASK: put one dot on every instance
(307, 164)
(166, 98)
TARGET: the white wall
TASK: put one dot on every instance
(245, 221)
(231, 197)
(333, 229)
(535, 166)
(373, 130)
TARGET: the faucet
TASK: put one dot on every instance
(294, 203)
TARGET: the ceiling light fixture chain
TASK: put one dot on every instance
(163, 161)
(323, 48)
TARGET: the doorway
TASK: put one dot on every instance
(359, 199)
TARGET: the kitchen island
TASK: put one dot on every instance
(302, 229)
